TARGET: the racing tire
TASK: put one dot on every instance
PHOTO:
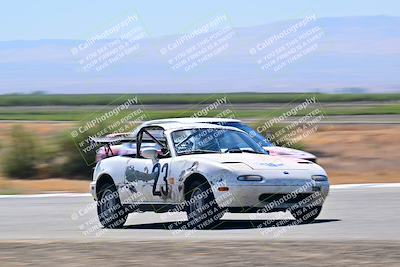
(110, 211)
(306, 214)
(201, 209)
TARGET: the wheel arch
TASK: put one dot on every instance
(101, 181)
(190, 179)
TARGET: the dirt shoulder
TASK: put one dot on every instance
(210, 253)
(14, 186)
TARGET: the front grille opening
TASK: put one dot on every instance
(267, 198)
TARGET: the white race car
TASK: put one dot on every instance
(205, 170)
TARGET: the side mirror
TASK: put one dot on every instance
(150, 153)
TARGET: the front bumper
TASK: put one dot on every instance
(92, 188)
(272, 196)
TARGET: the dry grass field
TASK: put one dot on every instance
(349, 153)
(358, 154)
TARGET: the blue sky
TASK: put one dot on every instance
(73, 19)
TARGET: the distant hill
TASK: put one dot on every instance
(359, 53)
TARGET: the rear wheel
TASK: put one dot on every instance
(306, 214)
(110, 211)
(202, 209)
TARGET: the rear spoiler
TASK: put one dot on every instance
(111, 140)
(107, 142)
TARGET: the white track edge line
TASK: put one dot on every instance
(47, 195)
(338, 186)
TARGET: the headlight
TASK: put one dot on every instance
(319, 178)
(250, 178)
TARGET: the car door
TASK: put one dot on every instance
(138, 175)
(147, 179)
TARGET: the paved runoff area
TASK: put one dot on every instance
(359, 225)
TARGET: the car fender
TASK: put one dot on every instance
(185, 166)
(111, 167)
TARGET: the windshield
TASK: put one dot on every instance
(209, 140)
(261, 140)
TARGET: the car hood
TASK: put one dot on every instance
(257, 161)
(289, 152)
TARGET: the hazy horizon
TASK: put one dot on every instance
(338, 62)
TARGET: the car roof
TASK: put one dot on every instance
(167, 126)
(193, 120)
(172, 126)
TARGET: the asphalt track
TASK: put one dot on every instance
(359, 226)
(358, 212)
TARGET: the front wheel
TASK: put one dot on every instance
(202, 210)
(306, 214)
(110, 211)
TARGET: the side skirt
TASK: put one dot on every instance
(158, 208)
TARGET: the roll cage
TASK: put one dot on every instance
(146, 131)
(143, 135)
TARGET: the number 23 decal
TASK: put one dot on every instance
(157, 170)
